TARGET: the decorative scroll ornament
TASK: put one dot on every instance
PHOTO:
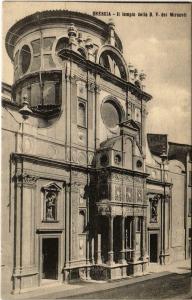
(25, 178)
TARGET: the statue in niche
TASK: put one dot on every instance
(154, 214)
(51, 206)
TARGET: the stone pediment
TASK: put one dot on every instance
(129, 127)
(52, 187)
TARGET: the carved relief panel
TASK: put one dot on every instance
(129, 194)
(118, 193)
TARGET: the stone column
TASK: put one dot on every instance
(110, 253)
(97, 245)
(99, 260)
(143, 238)
(123, 261)
(162, 232)
(133, 238)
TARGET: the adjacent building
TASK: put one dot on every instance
(84, 196)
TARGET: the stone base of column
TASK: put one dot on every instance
(164, 258)
(161, 258)
(145, 258)
(122, 260)
(117, 272)
(137, 268)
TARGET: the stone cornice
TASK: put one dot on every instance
(47, 161)
(63, 17)
(124, 171)
(77, 58)
(158, 182)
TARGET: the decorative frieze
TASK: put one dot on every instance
(138, 179)
(121, 177)
(104, 210)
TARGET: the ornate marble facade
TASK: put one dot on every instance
(82, 201)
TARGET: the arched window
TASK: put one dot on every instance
(113, 63)
(81, 114)
(81, 223)
(62, 43)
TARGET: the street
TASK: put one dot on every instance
(163, 287)
(171, 285)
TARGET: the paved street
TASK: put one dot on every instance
(159, 288)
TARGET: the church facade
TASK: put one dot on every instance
(80, 200)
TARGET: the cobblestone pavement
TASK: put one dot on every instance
(168, 286)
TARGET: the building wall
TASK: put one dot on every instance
(9, 126)
(177, 177)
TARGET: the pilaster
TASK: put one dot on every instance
(110, 253)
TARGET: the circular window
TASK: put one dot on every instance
(104, 160)
(139, 164)
(117, 159)
(110, 113)
(25, 58)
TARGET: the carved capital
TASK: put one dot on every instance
(97, 88)
(90, 86)
(75, 186)
(27, 179)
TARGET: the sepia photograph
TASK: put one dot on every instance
(96, 155)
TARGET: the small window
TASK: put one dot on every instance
(49, 93)
(117, 159)
(81, 114)
(25, 58)
(36, 47)
(139, 164)
(35, 95)
(48, 43)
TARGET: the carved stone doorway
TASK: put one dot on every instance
(153, 240)
(50, 258)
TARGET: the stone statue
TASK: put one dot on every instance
(50, 206)
(154, 214)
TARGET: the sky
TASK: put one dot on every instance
(158, 44)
